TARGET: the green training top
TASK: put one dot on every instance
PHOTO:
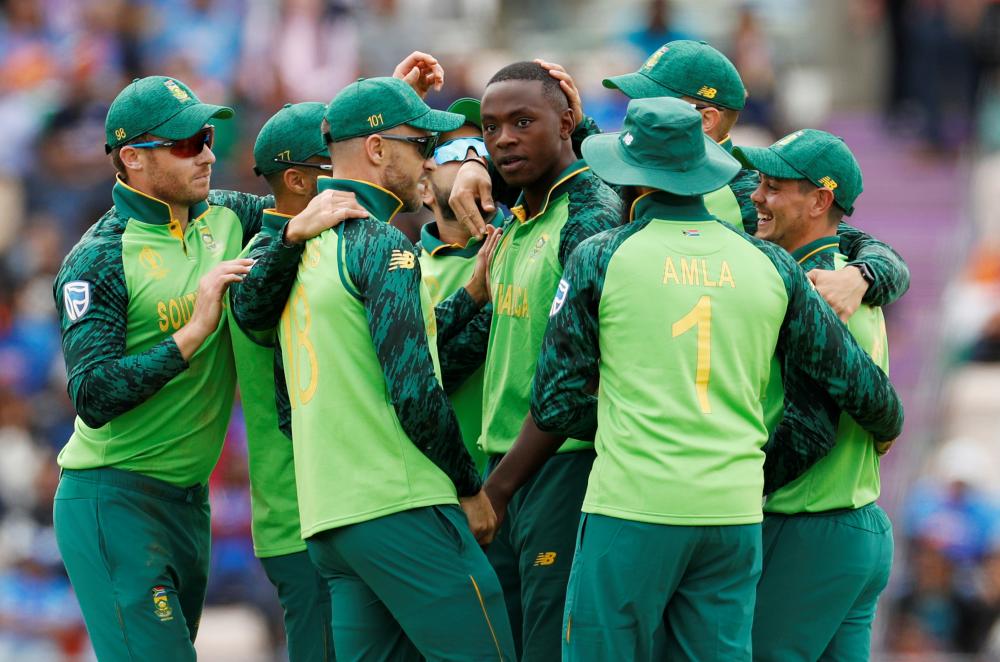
(122, 292)
(274, 522)
(679, 317)
(848, 477)
(524, 274)
(446, 268)
(358, 346)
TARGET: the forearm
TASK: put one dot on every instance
(454, 314)
(530, 452)
(892, 276)
(259, 299)
(465, 352)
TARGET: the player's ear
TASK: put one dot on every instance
(710, 119)
(131, 158)
(376, 149)
(426, 193)
(567, 123)
(294, 181)
(823, 201)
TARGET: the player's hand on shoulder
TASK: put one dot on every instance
(842, 289)
(483, 521)
(326, 210)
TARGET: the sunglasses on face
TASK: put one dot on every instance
(184, 148)
(457, 149)
(306, 164)
(424, 144)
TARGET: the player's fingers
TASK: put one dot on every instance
(813, 275)
(551, 66)
(485, 199)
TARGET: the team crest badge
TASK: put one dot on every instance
(161, 604)
(76, 299)
(209, 240)
(539, 245)
(654, 58)
(153, 263)
(176, 91)
(561, 293)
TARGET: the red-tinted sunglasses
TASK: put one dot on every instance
(184, 148)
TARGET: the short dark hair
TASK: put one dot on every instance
(534, 71)
(836, 212)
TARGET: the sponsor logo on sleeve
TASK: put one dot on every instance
(561, 293)
(76, 299)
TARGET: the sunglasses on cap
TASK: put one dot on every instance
(305, 164)
(457, 149)
(184, 148)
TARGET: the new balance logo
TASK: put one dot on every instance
(545, 558)
(401, 260)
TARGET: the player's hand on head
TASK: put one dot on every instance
(842, 289)
(326, 210)
(479, 285)
(421, 71)
(483, 521)
(568, 86)
(471, 195)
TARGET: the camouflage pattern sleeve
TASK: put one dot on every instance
(743, 186)
(92, 301)
(815, 340)
(593, 207)
(260, 297)
(892, 276)
(392, 301)
(561, 398)
(586, 128)
(462, 354)
(806, 433)
(454, 314)
(248, 208)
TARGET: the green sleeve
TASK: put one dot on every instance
(815, 340)
(892, 276)
(103, 382)
(586, 128)
(259, 299)
(593, 207)
(743, 185)
(806, 432)
(392, 302)
(454, 314)
(463, 353)
(248, 207)
(562, 400)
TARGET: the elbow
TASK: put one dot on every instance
(86, 409)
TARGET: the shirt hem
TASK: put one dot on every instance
(673, 519)
(357, 518)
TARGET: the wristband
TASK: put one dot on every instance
(866, 272)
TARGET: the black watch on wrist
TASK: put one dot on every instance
(866, 272)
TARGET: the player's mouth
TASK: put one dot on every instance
(763, 218)
(204, 176)
(511, 164)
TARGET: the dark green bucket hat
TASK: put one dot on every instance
(822, 158)
(685, 68)
(292, 134)
(160, 105)
(373, 105)
(662, 146)
(470, 109)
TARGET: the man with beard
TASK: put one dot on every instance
(380, 466)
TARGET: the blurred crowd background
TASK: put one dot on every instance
(911, 84)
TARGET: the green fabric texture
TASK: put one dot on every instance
(822, 158)
(305, 601)
(649, 592)
(821, 581)
(137, 552)
(292, 134)
(160, 105)
(469, 109)
(374, 105)
(662, 146)
(685, 68)
(410, 586)
(533, 552)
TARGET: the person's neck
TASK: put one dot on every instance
(180, 213)
(534, 193)
(290, 204)
(450, 231)
(349, 171)
(795, 243)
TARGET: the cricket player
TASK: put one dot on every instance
(679, 316)
(150, 373)
(447, 252)
(827, 544)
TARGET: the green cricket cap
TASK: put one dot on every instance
(292, 134)
(469, 109)
(662, 146)
(373, 105)
(685, 68)
(822, 158)
(160, 105)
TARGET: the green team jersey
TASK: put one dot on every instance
(525, 271)
(679, 316)
(373, 432)
(848, 477)
(732, 204)
(122, 292)
(445, 268)
(274, 522)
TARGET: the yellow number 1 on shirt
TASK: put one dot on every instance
(700, 316)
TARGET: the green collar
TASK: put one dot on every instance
(562, 182)
(431, 242)
(727, 144)
(816, 250)
(380, 203)
(670, 207)
(133, 203)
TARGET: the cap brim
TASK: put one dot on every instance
(765, 161)
(603, 153)
(638, 85)
(437, 121)
(190, 121)
(470, 109)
